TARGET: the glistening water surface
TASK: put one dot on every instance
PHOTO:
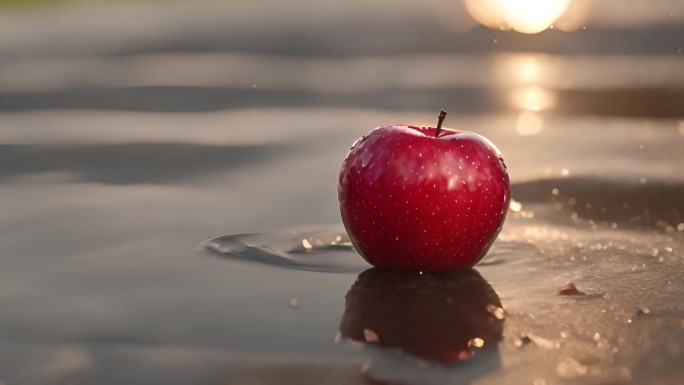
(623, 324)
(124, 148)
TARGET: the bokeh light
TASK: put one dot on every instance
(529, 123)
(533, 98)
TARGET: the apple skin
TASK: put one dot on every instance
(432, 317)
(412, 201)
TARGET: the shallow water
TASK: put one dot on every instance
(168, 225)
(623, 324)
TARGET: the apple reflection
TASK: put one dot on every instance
(444, 318)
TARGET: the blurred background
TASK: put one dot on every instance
(130, 131)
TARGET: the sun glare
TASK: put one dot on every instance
(525, 16)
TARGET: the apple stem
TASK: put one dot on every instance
(442, 115)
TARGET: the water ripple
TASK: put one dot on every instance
(319, 250)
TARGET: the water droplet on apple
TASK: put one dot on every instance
(503, 165)
(356, 142)
(365, 158)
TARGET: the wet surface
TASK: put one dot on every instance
(637, 103)
(131, 163)
(320, 251)
(192, 234)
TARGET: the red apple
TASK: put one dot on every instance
(423, 198)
